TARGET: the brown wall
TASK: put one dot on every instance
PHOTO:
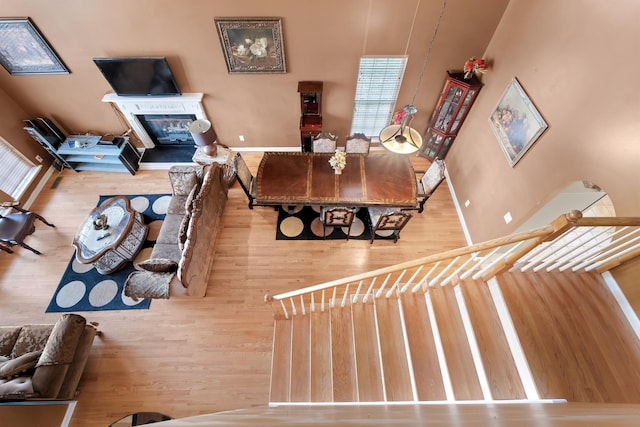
(571, 57)
(323, 41)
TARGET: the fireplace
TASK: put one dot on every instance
(160, 120)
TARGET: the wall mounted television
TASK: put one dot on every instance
(138, 76)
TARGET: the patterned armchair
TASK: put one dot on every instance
(429, 182)
(325, 142)
(358, 143)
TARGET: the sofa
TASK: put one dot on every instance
(44, 361)
(182, 256)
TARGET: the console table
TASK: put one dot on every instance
(89, 152)
(111, 248)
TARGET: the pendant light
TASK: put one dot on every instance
(402, 138)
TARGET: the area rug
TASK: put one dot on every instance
(82, 288)
(303, 223)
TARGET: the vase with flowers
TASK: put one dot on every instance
(474, 66)
(338, 161)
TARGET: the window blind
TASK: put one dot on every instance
(377, 89)
(16, 172)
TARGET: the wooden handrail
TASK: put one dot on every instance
(531, 239)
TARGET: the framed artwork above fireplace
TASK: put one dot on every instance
(252, 45)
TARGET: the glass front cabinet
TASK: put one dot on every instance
(457, 97)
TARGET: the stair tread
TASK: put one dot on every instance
(370, 388)
(281, 361)
(462, 371)
(345, 385)
(397, 380)
(499, 365)
(321, 375)
(426, 367)
(301, 359)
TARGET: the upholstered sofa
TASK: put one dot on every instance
(44, 361)
(184, 250)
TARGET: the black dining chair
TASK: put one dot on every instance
(14, 227)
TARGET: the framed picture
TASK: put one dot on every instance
(25, 51)
(516, 122)
(252, 45)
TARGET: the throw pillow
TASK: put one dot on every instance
(188, 204)
(31, 338)
(8, 337)
(19, 364)
(161, 265)
(184, 227)
(182, 181)
(144, 284)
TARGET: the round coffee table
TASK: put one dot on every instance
(110, 246)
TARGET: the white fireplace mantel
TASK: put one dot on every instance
(132, 106)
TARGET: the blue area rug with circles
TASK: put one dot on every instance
(303, 223)
(82, 288)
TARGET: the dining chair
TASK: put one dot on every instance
(325, 142)
(336, 216)
(388, 219)
(14, 227)
(246, 179)
(358, 143)
(427, 182)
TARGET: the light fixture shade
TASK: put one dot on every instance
(204, 136)
(402, 138)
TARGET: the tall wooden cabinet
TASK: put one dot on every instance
(310, 112)
(457, 97)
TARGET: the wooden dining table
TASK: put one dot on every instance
(302, 178)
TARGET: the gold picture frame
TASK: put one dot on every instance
(516, 122)
(252, 45)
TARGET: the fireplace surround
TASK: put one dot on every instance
(174, 111)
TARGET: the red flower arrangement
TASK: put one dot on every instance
(474, 66)
(399, 115)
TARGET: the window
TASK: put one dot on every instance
(378, 84)
(16, 171)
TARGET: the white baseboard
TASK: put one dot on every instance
(463, 224)
(45, 178)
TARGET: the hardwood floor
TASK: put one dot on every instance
(198, 355)
(190, 356)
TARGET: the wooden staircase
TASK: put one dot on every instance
(446, 344)
(439, 329)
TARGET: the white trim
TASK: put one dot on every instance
(463, 224)
(622, 301)
(442, 361)
(375, 321)
(405, 337)
(514, 342)
(36, 191)
(473, 344)
(423, 402)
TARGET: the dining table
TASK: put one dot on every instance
(367, 180)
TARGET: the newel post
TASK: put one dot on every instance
(559, 226)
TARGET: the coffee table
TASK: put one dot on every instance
(110, 248)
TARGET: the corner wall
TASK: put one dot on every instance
(572, 59)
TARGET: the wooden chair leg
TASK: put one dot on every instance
(24, 245)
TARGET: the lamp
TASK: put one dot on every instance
(204, 136)
(402, 138)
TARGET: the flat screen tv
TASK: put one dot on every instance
(138, 76)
